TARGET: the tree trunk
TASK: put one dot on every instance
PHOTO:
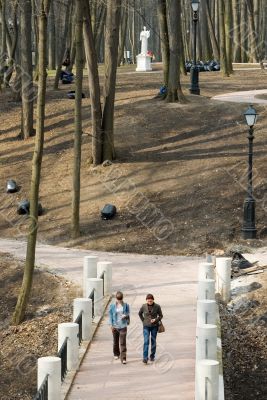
(123, 29)
(99, 33)
(78, 120)
(252, 32)
(243, 32)
(132, 32)
(63, 45)
(111, 60)
(36, 31)
(94, 86)
(13, 46)
(228, 37)
(174, 23)
(223, 59)
(3, 42)
(27, 92)
(25, 290)
(164, 38)
(236, 31)
(52, 38)
(214, 43)
(69, 68)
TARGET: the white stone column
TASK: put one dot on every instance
(84, 305)
(106, 267)
(97, 284)
(206, 289)
(206, 343)
(206, 312)
(223, 277)
(89, 270)
(50, 366)
(70, 330)
(205, 271)
(207, 380)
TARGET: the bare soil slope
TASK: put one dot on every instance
(21, 346)
(185, 163)
(244, 338)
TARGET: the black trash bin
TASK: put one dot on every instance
(24, 208)
(11, 186)
(108, 212)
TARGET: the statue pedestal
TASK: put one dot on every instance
(143, 63)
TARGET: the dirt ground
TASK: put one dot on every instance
(184, 164)
(50, 304)
(244, 339)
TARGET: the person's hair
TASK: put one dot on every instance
(149, 296)
(119, 295)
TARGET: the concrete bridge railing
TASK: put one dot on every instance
(212, 278)
(55, 374)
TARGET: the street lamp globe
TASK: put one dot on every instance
(195, 5)
(251, 116)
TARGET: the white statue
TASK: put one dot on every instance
(144, 38)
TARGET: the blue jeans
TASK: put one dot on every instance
(147, 331)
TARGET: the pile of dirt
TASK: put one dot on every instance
(244, 340)
(21, 346)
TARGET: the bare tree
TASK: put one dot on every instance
(27, 93)
(164, 38)
(111, 60)
(78, 119)
(25, 290)
(94, 85)
(174, 24)
(62, 49)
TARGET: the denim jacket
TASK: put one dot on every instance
(113, 315)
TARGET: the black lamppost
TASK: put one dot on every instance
(194, 73)
(249, 228)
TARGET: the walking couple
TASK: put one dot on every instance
(119, 318)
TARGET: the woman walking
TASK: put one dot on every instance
(150, 314)
(119, 319)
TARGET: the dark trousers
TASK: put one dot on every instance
(119, 343)
(153, 331)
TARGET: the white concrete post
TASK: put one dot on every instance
(205, 271)
(206, 312)
(206, 289)
(84, 305)
(50, 366)
(97, 284)
(206, 343)
(70, 330)
(207, 387)
(89, 269)
(106, 267)
(223, 277)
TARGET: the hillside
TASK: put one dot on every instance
(186, 163)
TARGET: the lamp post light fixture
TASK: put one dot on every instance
(249, 227)
(194, 73)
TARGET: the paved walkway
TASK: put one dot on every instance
(173, 281)
(243, 97)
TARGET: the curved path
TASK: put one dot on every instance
(173, 281)
(249, 96)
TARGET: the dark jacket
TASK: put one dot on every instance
(146, 316)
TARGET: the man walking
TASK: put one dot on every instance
(150, 314)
